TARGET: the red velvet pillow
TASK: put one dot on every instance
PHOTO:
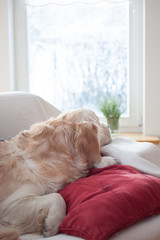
(109, 200)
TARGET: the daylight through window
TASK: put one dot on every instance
(79, 53)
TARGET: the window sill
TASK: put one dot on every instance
(139, 137)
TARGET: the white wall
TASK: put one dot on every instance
(152, 68)
(4, 47)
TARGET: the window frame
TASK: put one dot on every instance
(133, 123)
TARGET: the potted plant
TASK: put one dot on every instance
(111, 108)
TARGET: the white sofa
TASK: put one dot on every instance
(18, 110)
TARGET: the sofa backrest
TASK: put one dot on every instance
(19, 110)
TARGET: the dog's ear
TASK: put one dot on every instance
(86, 142)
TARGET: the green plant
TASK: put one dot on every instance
(111, 107)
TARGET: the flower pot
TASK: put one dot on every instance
(113, 124)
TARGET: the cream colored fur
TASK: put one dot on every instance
(37, 163)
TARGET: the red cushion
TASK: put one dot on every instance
(109, 200)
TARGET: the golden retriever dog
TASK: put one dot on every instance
(37, 163)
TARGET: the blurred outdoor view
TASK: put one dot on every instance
(78, 53)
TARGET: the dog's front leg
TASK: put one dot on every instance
(106, 161)
(41, 214)
(55, 215)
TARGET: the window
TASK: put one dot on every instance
(79, 52)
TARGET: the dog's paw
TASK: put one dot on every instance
(107, 161)
(50, 230)
(55, 216)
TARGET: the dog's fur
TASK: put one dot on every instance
(38, 162)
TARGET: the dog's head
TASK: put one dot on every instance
(80, 140)
(75, 136)
(84, 114)
(62, 140)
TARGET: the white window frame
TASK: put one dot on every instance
(133, 123)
